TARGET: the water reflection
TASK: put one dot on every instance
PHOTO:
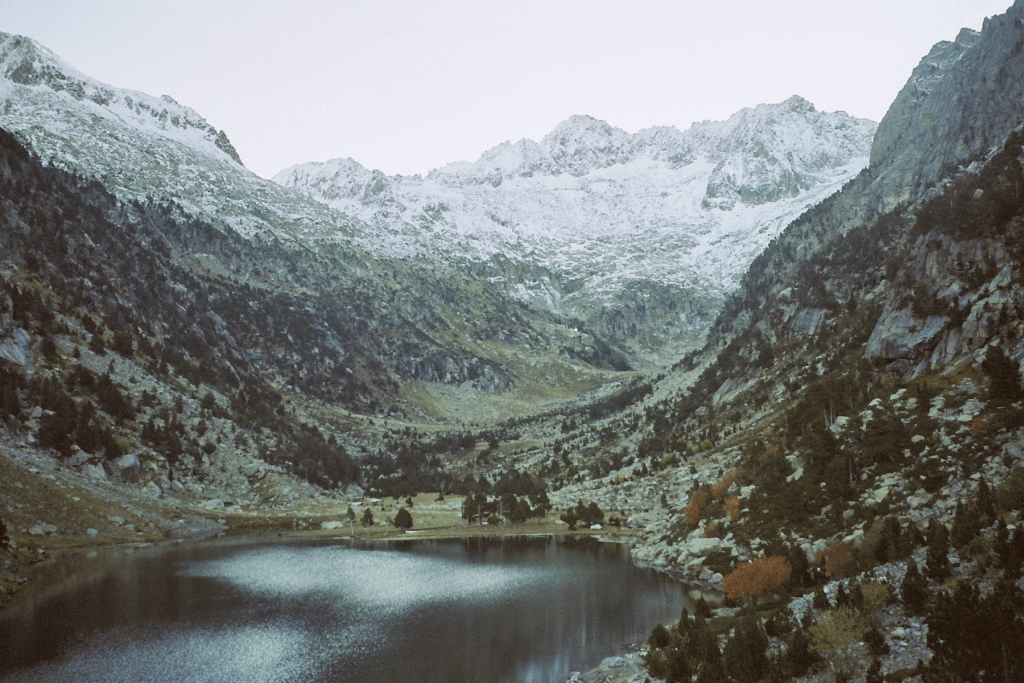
(527, 609)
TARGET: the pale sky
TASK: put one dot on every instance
(406, 87)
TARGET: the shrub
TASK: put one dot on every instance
(694, 509)
(836, 635)
(719, 488)
(731, 505)
(875, 595)
(838, 559)
(754, 579)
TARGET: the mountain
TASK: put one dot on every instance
(637, 237)
(865, 377)
(142, 146)
(428, 324)
(846, 450)
(641, 235)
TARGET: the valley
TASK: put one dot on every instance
(791, 339)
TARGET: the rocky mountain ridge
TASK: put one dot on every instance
(638, 235)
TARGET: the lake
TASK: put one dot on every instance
(460, 610)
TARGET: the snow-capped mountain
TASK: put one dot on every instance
(143, 146)
(637, 236)
(606, 213)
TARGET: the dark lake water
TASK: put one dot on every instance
(461, 610)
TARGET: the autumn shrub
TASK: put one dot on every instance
(838, 559)
(696, 506)
(731, 505)
(754, 579)
(719, 488)
(979, 426)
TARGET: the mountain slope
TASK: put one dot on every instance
(139, 145)
(634, 224)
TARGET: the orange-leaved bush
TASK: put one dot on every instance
(838, 559)
(754, 579)
(694, 509)
(731, 505)
(719, 488)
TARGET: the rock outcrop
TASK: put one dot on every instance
(946, 114)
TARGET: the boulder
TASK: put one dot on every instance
(78, 457)
(703, 546)
(94, 472)
(127, 468)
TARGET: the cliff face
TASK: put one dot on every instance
(964, 97)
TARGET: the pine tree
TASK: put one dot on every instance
(986, 504)
(745, 653)
(659, 637)
(890, 545)
(937, 555)
(874, 674)
(914, 590)
(1004, 376)
(966, 525)
(403, 519)
(1002, 543)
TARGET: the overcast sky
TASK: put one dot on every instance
(405, 87)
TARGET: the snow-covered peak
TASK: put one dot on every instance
(583, 143)
(338, 180)
(25, 64)
(616, 215)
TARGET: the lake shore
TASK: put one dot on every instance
(172, 521)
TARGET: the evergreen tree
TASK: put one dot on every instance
(979, 639)
(403, 519)
(890, 546)
(914, 590)
(1002, 544)
(799, 656)
(1015, 556)
(937, 556)
(800, 566)
(874, 674)
(966, 525)
(659, 637)
(745, 653)
(1004, 376)
(986, 504)
(911, 539)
